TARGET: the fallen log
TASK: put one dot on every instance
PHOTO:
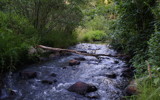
(74, 51)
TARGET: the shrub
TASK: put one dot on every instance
(154, 48)
(58, 39)
(134, 25)
(96, 35)
(16, 36)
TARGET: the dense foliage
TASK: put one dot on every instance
(16, 36)
(27, 23)
(137, 33)
(98, 17)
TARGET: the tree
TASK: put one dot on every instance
(47, 15)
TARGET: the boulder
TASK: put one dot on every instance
(111, 75)
(47, 82)
(53, 75)
(50, 82)
(32, 51)
(55, 54)
(131, 89)
(82, 88)
(55, 81)
(12, 92)
(28, 74)
(52, 55)
(43, 59)
(80, 58)
(116, 62)
(74, 62)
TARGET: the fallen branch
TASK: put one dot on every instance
(74, 51)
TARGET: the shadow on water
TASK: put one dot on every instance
(50, 80)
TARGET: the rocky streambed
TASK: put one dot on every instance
(73, 77)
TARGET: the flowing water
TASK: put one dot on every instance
(92, 71)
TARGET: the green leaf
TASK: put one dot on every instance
(156, 81)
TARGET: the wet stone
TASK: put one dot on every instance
(111, 75)
(12, 92)
(116, 62)
(82, 88)
(64, 67)
(47, 82)
(74, 62)
(53, 75)
(93, 95)
(131, 89)
(28, 74)
(55, 81)
(80, 58)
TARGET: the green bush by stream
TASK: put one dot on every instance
(16, 36)
(137, 33)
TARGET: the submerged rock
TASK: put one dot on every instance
(47, 82)
(53, 55)
(80, 58)
(74, 62)
(116, 62)
(93, 96)
(53, 75)
(28, 74)
(111, 75)
(82, 88)
(12, 92)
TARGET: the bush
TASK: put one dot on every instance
(154, 48)
(134, 25)
(16, 36)
(58, 39)
(96, 35)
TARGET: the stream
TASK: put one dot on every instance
(105, 73)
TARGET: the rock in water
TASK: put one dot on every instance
(27, 75)
(53, 75)
(47, 82)
(74, 62)
(80, 58)
(82, 88)
(111, 75)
